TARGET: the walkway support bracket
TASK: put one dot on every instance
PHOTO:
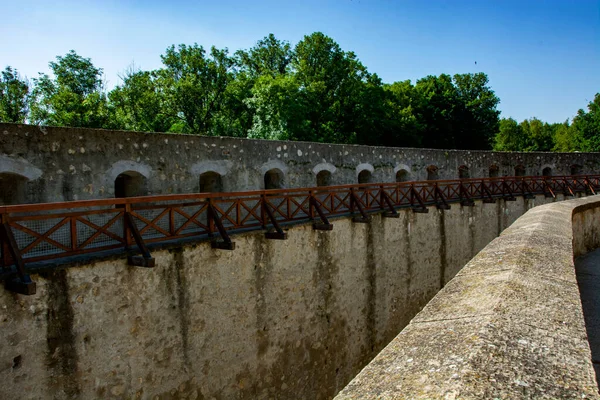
(355, 202)
(486, 195)
(385, 199)
(145, 260)
(22, 283)
(506, 192)
(588, 186)
(526, 190)
(465, 199)
(215, 221)
(567, 190)
(279, 234)
(548, 192)
(324, 225)
(440, 201)
(414, 195)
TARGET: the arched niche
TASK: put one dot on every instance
(273, 174)
(576, 169)
(520, 170)
(274, 179)
(547, 171)
(493, 171)
(211, 182)
(128, 167)
(364, 173)
(13, 189)
(402, 173)
(324, 178)
(324, 172)
(433, 173)
(130, 184)
(365, 176)
(463, 172)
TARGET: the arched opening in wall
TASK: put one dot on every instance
(364, 176)
(130, 184)
(432, 173)
(402, 176)
(274, 179)
(494, 171)
(210, 182)
(576, 169)
(324, 178)
(547, 171)
(463, 172)
(13, 189)
(520, 170)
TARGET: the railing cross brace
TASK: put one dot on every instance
(385, 198)
(22, 283)
(145, 260)
(354, 202)
(213, 218)
(279, 234)
(414, 194)
(506, 190)
(527, 194)
(324, 225)
(440, 201)
(486, 194)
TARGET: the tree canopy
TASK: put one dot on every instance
(313, 91)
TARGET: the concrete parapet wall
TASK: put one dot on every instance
(63, 164)
(509, 325)
(272, 319)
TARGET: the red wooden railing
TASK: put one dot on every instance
(37, 233)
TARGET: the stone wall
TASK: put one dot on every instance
(272, 319)
(46, 164)
(509, 325)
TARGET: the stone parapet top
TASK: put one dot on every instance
(509, 325)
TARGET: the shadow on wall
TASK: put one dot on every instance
(13, 189)
(130, 184)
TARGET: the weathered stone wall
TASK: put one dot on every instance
(62, 164)
(509, 325)
(272, 319)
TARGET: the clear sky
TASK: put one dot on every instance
(542, 57)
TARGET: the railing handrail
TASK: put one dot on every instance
(32, 207)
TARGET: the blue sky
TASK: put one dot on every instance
(542, 57)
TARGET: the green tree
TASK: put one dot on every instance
(586, 127)
(477, 116)
(14, 96)
(510, 136)
(74, 97)
(140, 104)
(331, 83)
(269, 56)
(195, 85)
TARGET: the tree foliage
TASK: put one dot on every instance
(14, 96)
(313, 91)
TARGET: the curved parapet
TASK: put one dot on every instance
(509, 325)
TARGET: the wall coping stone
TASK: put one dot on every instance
(509, 325)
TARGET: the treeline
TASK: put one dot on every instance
(582, 134)
(314, 91)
